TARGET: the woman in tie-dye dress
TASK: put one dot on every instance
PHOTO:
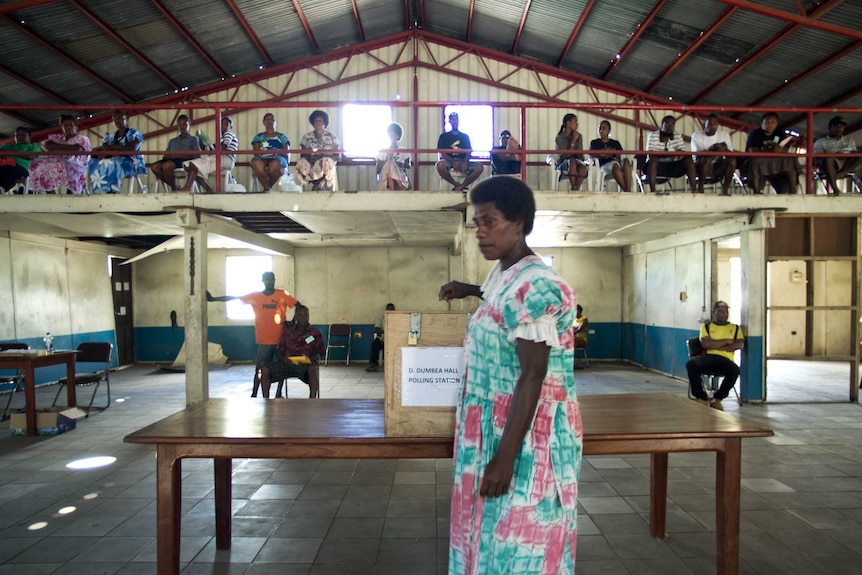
(518, 428)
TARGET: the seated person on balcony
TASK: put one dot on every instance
(666, 140)
(200, 168)
(392, 164)
(609, 162)
(572, 165)
(62, 172)
(835, 142)
(377, 343)
(458, 161)
(185, 142)
(767, 138)
(269, 165)
(503, 161)
(15, 169)
(108, 171)
(298, 339)
(314, 167)
(713, 140)
(720, 339)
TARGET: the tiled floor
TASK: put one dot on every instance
(801, 494)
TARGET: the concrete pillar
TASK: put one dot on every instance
(194, 284)
(752, 384)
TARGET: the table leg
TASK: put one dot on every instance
(168, 509)
(71, 392)
(222, 469)
(727, 493)
(658, 494)
(30, 398)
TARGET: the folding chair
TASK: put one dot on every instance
(710, 381)
(338, 337)
(583, 351)
(17, 380)
(97, 353)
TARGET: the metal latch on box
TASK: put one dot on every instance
(415, 328)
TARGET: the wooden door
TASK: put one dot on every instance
(121, 280)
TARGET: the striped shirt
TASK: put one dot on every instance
(674, 144)
(230, 142)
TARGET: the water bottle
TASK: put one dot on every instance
(49, 342)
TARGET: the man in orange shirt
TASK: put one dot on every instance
(270, 308)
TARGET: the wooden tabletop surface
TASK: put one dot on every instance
(625, 416)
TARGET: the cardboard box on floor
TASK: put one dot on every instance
(49, 421)
(438, 329)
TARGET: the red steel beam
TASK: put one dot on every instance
(813, 69)
(777, 39)
(407, 23)
(189, 38)
(470, 19)
(358, 20)
(305, 25)
(575, 31)
(122, 41)
(521, 26)
(249, 32)
(631, 42)
(422, 14)
(65, 57)
(808, 20)
(725, 16)
(830, 103)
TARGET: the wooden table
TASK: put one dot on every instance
(28, 361)
(222, 429)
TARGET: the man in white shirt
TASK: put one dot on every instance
(667, 166)
(711, 139)
(837, 168)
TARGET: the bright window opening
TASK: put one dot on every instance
(242, 276)
(364, 129)
(548, 261)
(478, 123)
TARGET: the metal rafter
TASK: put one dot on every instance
(470, 19)
(850, 48)
(122, 41)
(305, 24)
(422, 14)
(830, 103)
(407, 23)
(631, 42)
(521, 26)
(15, 6)
(728, 12)
(808, 20)
(777, 39)
(63, 56)
(575, 31)
(33, 85)
(189, 38)
(358, 20)
(240, 17)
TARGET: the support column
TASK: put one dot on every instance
(752, 384)
(194, 285)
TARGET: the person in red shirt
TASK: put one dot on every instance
(270, 309)
(299, 350)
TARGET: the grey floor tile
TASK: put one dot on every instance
(356, 528)
(289, 550)
(665, 566)
(410, 528)
(348, 551)
(242, 550)
(407, 551)
(825, 518)
(303, 526)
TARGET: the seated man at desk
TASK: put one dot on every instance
(720, 339)
(299, 349)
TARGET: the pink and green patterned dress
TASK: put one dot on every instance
(531, 530)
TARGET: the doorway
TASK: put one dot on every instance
(121, 288)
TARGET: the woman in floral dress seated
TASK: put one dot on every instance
(62, 172)
(108, 171)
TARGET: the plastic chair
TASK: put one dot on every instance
(92, 352)
(16, 380)
(338, 337)
(179, 174)
(710, 381)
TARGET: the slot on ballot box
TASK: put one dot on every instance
(422, 375)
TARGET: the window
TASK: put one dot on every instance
(478, 123)
(548, 261)
(365, 129)
(242, 276)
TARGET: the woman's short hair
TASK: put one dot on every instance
(511, 196)
(64, 117)
(396, 127)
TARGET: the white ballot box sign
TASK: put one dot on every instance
(431, 376)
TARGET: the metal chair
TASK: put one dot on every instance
(16, 380)
(710, 381)
(97, 353)
(583, 350)
(341, 333)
